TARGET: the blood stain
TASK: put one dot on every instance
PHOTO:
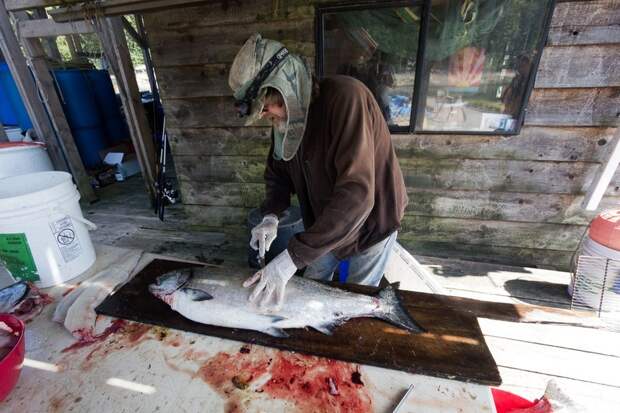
(312, 384)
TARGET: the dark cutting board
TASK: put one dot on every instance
(453, 346)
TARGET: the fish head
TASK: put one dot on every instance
(12, 295)
(170, 282)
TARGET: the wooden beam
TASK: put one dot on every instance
(18, 5)
(113, 40)
(46, 85)
(49, 43)
(113, 7)
(134, 34)
(604, 174)
(12, 53)
(49, 28)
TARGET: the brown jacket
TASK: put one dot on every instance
(345, 174)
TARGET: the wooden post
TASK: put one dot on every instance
(51, 48)
(112, 37)
(28, 90)
(45, 83)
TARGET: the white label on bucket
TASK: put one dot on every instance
(66, 238)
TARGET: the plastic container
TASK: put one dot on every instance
(605, 230)
(82, 113)
(18, 158)
(114, 125)
(289, 225)
(14, 98)
(43, 235)
(7, 113)
(11, 364)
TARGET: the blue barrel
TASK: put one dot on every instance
(82, 114)
(13, 107)
(114, 124)
(289, 225)
(7, 114)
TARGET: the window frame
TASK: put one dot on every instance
(421, 84)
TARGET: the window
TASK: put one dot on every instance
(439, 66)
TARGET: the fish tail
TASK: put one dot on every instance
(393, 311)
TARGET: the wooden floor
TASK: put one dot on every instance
(584, 362)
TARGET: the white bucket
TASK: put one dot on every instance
(23, 158)
(43, 235)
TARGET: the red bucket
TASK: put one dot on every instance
(11, 363)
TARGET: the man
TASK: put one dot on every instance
(331, 146)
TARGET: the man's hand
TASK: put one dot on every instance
(269, 293)
(264, 234)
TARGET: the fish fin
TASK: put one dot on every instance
(276, 332)
(325, 328)
(277, 318)
(196, 294)
(393, 311)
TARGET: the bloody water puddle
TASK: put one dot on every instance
(312, 384)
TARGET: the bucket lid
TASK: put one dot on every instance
(605, 229)
(35, 190)
(17, 146)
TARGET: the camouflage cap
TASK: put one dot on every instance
(291, 78)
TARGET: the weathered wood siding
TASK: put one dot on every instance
(507, 199)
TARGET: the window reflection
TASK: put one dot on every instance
(378, 47)
(479, 63)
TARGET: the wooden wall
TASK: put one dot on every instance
(504, 199)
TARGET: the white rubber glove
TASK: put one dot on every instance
(264, 234)
(269, 293)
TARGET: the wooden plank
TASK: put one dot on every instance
(203, 112)
(218, 217)
(559, 237)
(586, 13)
(49, 28)
(452, 347)
(533, 143)
(194, 81)
(48, 90)
(497, 175)
(603, 176)
(501, 206)
(462, 174)
(561, 337)
(118, 7)
(220, 168)
(253, 141)
(220, 14)
(188, 47)
(574, 107)
(579, 66)
(245, 195)
(17, 5)
(115, 45)
(578, 365)
(583, 35)
(516, 256)
(26, 86)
